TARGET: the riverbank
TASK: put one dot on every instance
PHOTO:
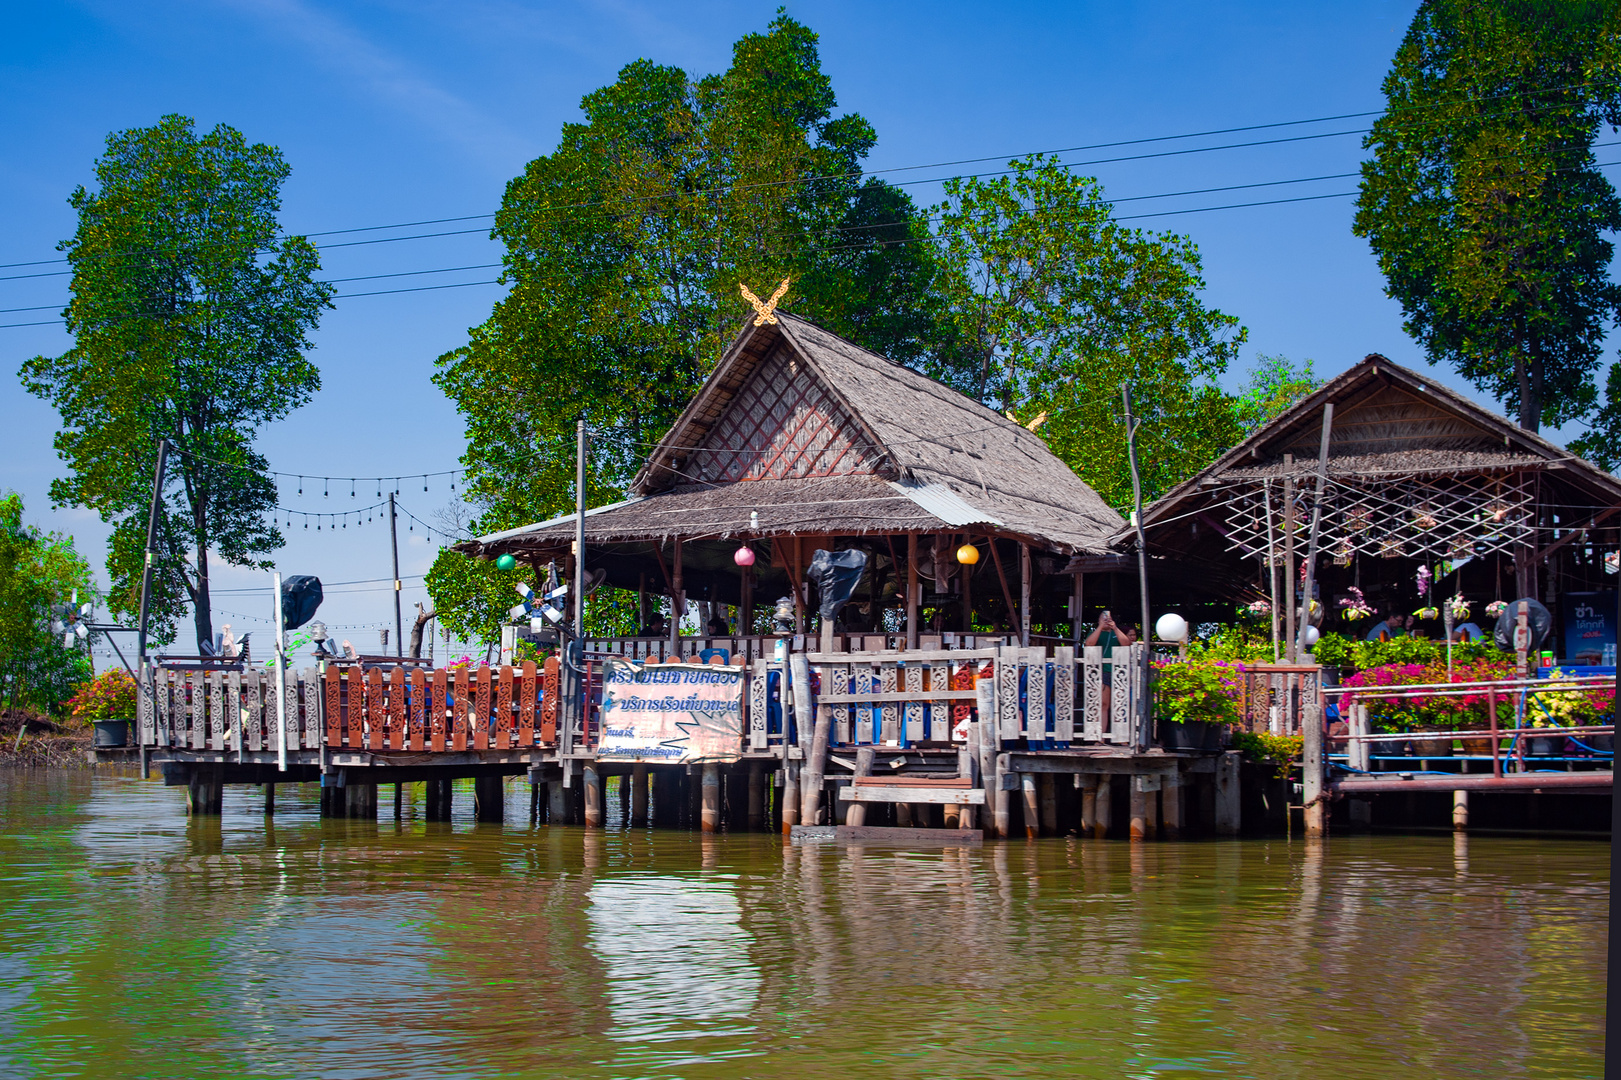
(45, 744)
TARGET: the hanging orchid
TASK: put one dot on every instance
(1460, 607)
(1258, 607)
(1424, 580)
(1356, 606)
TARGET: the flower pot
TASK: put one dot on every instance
(1389, 748)
(1544, 745)
(1215, 737)
(1426, 748)
(1183, 735)
(111, 733)
(1481, 747)
(1603, 743)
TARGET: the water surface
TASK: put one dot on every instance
(134, 943)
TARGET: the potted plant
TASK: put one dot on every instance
(107, 702)
(1570, 709)
(1194, 701)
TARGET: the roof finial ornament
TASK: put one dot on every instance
(766, 312)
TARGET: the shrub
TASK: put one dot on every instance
(109, 696)
(1193, 690)
(1277, 752)
(1433, 712)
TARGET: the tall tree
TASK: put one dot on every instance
(625, 247)
(1050, 304)
(38, 572)
(1272, 385)
(190, 317)
(1482, 200)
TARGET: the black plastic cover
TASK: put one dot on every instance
(300, 596)
(836, 575)
(1540, 620)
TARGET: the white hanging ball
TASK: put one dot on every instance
(1311, 636)
(1171, 627)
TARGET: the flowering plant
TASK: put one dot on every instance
(1423, 580)
(1460, 607)
(1356, 606)
(1571, 708)
(1193, 690)
(109, 696)
(1428, 612)
(1495, 609)
(465, 662)
(1419, 711)
(1258, 607)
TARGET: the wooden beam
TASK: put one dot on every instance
(1024, 594)
(1007, 594)
(912, 607)
(1603, 515)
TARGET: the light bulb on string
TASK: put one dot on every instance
(326, 487)
(351, 489)
(301, 485)
(379, 487)
(424, 483)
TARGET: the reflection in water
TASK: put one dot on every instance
(134, 943)
(677, 958)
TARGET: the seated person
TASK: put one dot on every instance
(655, 626)
(1468, 632)
(1392, 626)
(718, 627)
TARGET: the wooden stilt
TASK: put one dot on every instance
(1311, 775)
(399, 802)
(1032, 805)
(1047, 789)
(556, 803)
(1089, 803)
(534, 804)
(756, 818)
(270, 800)
(1460, 810)
(790, 797)
(622, 789)
(204, 792)
(593, 796)
(638, 796)
(1228, 811)
(810, 793)
(489, 799)
(711, 798)
(1103, 807)
(1138, 811)
(1001, 811)
(1170, 801)
(361, 801)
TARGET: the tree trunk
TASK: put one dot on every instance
(423, 615)
(202, 616)
(1530, 395)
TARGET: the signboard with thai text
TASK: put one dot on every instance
(671, 714)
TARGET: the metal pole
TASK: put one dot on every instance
(1142, 560)
(151, 555)
(1316, 525)
(394, 541)
(579, 530)
(281, 672)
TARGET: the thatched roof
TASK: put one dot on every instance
(1389, 421)
(798, 431)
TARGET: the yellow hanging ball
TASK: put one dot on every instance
(968, 554)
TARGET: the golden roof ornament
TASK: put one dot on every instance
(765, 312)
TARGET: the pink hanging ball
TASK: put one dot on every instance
(743, 556)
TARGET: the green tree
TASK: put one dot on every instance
(1601, 444)
(38, 572)
(190, 318)
(1270, 387)
(1483, 202)
(1050, 304)
(625, 247)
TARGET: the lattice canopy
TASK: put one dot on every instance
(1416, 516)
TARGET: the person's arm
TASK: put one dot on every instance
(1092, 638)
(1126, 636)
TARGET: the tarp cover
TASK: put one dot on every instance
(671, 713)
(1539, 618)
(300, 596)
(836, 575)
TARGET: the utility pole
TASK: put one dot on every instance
(280, 617)
(1142, 560)
(146, 588)
(579, 529)
(394, 542)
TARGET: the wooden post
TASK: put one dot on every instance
(399, 802)
(1077, 601)
(1311, 773)
(556, 803)
(360, 800)
(710, 819)
(810, 783)
(1047, 785)
(534, 804)
(1460, 811)
(1103, 807)
(593, 796)
(913, 609)
(1289, 556)
(796, 579)
(967, 576)
(638, 795)
(1089, 803)
(204, 792)
(1024, 595)
(489, 799)
(1170, 805)
(756, 797)
(270, 800)
(789, 799)
(1139, 810)
(1228, 807)
(1002, 811)
(1316, 524)
(1032, 803)
(678, 603)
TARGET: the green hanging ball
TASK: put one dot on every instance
(505, 562)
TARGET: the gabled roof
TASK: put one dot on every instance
(1389, 421)
(895, 451)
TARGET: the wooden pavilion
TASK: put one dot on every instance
(802, 440)
(1415, 475)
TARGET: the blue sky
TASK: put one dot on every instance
(403, 111)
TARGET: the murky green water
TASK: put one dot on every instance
(134, 944)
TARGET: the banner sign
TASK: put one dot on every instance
(1590, 628)
(671, 714)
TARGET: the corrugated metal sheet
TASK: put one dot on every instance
(945, 504)
(560, 519)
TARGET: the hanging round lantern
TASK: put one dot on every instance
(968, 554)
(1171, 627)
(743, 556)
(505, 562)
